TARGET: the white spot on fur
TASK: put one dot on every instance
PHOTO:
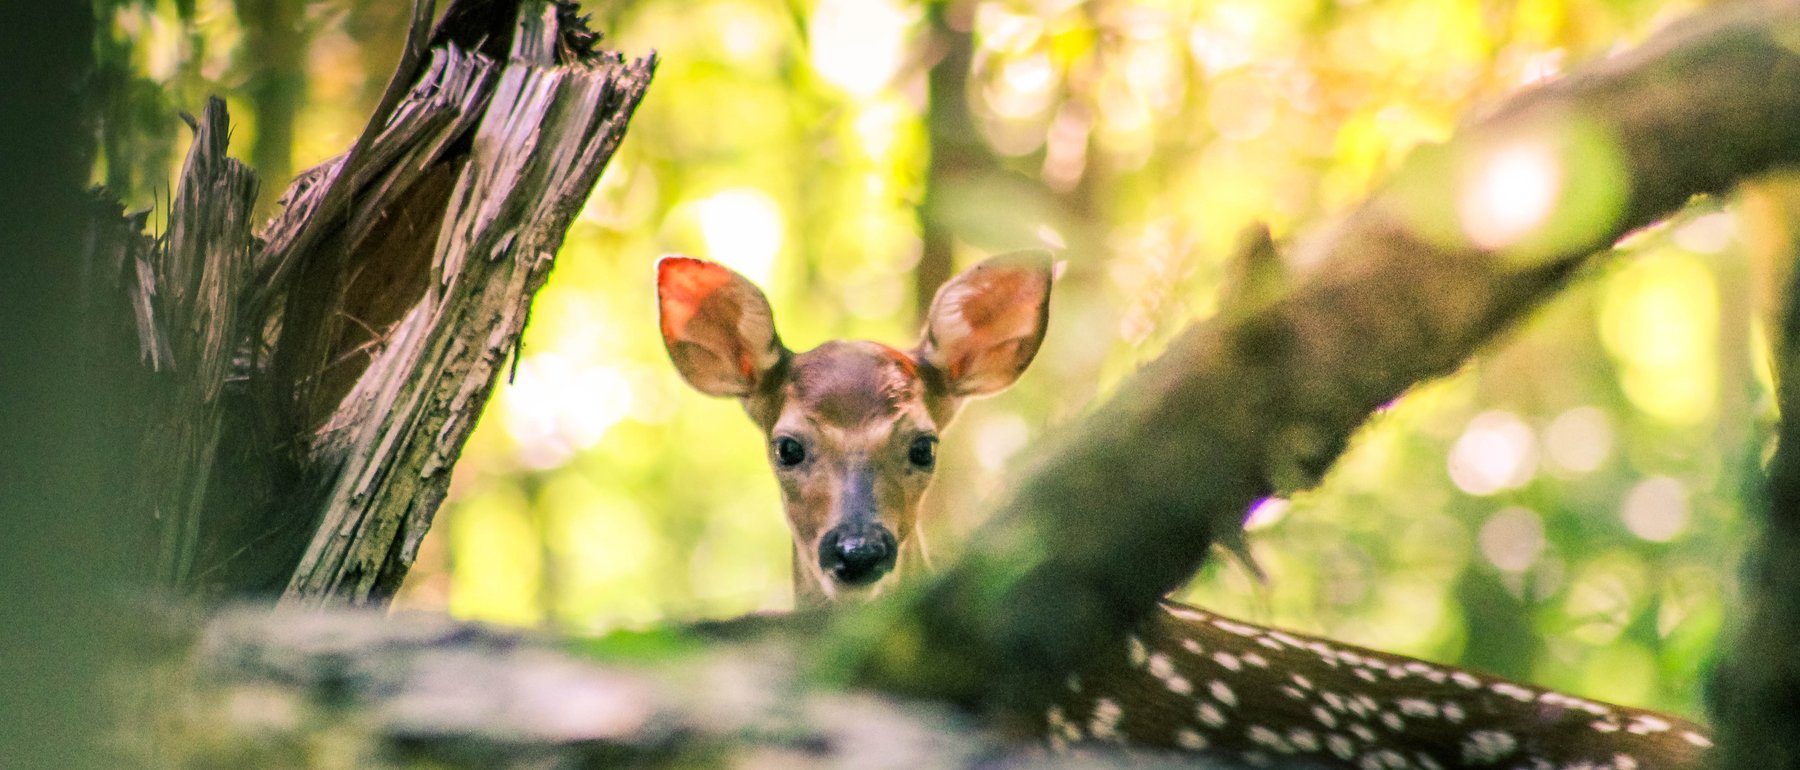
(1453, 713)
(1226, 660)
(1697, 739)
(1436, 675)
(1161, 666)
(1417, 707)
(1514, 691)
(1222, 693)
(1190, 739)
(1465, 680)
(1209, 715)
(1135, 649)
(1104, 722)
(1253, 659)
(1488, 746)
(1236, 628)
(1340, 746)
(1179, 685)
(1324, 652)
(1392, 721)
(1286, 638)
(1325, 717)
(1303, 739)
(1362, 731)
(1302, 682)
(1293, 692)
(1331, 699)
(1605, 726)
(1192, 646)
(1188, 613)
(1263, 736)
(1061, 726)
(1644, 724)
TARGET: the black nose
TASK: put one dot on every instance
(860, 556)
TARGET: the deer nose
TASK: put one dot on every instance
(858, 557)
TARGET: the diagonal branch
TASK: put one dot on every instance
(1406, 287)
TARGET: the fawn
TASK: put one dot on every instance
(852, 430)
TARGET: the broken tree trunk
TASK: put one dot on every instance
(315, 384)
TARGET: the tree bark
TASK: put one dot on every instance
(315, 383)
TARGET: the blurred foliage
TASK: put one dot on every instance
(1567, 508)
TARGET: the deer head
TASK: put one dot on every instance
(852, 426)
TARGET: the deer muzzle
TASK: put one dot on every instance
(858, 550)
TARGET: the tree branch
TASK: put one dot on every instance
(1126, 506)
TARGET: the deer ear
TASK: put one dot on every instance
(717, 326)
(986, 324)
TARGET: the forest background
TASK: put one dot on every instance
(1568, 508)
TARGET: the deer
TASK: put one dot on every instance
(852, 429)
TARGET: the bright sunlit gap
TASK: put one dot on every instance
(1496, 452)
(858, 45)
(1511, 192)
(998, 438)
(1512, 539)
(1578, 440)
(1226, 39)
(557, 406)
(1659, 319)
(1656, 509)
(742, 227)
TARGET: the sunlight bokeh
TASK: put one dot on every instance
(1513, 189)
(1579, 484)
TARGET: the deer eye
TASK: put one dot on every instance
(923, 452)
(789, 452)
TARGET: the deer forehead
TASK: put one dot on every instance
(857, 391)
